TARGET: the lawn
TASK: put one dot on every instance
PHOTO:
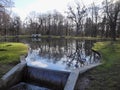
(106, 76)
(10, 55)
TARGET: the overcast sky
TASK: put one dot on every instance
(24, 7)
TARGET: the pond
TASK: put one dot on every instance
(59, 54)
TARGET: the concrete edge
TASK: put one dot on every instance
(72, 79)
(15, 68)
(70, 84)
(11, 76)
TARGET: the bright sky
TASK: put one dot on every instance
(24, 7)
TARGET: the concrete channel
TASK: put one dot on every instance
(14, 76)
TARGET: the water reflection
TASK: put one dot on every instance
(58, 54)
(61, 54)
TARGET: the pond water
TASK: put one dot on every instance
(59, 54)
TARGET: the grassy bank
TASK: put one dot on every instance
(10, 54)
(106, 76)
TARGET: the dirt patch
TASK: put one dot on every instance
(82, 82)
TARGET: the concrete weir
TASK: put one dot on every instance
(13, 77)
(22, 75)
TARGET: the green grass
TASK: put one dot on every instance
(10, 54)
(106, 76)
(110, 52)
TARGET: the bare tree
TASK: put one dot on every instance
(6, 3)
(112, 10)
(95, 10)
(77, 16)
(88, 27)
(5, 16)
(17, 25)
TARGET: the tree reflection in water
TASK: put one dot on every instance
(70, 54)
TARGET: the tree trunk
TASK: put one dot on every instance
(113, 31)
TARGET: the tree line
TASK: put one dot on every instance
(79, 20)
